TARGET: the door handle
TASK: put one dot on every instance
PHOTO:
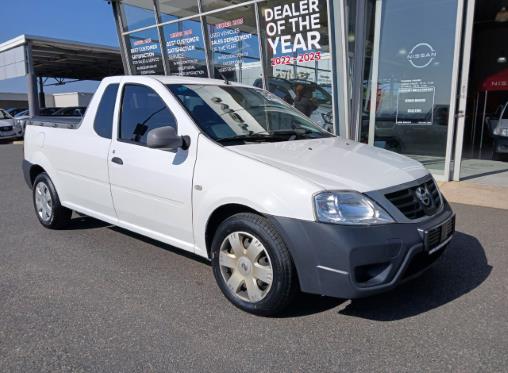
(117, 160)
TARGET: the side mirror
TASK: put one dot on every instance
(166, 138)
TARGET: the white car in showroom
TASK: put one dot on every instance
(9, 129)
(234, 174)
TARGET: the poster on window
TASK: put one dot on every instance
(185, 48)
(234, 44)
(415, 102)
(295, 37)
(293, 32)
(145, 55)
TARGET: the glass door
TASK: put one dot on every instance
(414, 79)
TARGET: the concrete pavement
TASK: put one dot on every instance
(97, 299)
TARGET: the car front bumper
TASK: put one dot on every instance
(357, 261)
(15, 133)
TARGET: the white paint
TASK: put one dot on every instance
(170, 196)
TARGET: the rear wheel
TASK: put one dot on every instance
(49, 211)
(252, 265)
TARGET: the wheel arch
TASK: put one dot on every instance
(220, 214)
(35, 170)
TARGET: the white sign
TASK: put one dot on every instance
(291, 27)
(421, 55)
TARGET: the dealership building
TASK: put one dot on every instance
(421, 78)
(427, 79)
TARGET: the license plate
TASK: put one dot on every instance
(437, 237)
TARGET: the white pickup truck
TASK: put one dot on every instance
(234, 174)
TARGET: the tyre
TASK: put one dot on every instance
(49, 211)
(252, 265)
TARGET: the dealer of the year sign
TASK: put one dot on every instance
(293, 27)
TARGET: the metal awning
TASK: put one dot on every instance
(56, 58)
(41, 57)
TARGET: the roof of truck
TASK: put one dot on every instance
(175, 79)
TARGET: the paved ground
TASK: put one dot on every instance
(96, 298)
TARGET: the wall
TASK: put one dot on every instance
(8, 100)
(72, 99)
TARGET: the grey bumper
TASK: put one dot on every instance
(357, 261)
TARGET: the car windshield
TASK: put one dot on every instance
(233, 115)
(4, 115)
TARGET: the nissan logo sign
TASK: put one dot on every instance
(421, 55)
(423, 195)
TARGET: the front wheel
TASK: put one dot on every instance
(50, 212)
(252, 265)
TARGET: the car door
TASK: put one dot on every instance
(80, 157)
(152, 188)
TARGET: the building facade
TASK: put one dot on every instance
(391, 73)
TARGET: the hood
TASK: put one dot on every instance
(334, 163)
(6, 122)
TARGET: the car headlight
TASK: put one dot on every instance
(351, 208)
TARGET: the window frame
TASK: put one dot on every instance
(120, 111)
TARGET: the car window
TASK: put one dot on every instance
(22, 113)
(4, 115)
(229, 113)
(142, 110)
(103, 123)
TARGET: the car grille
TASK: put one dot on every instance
(6, 128)
(438, 235)
(411, 206)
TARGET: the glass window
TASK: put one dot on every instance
(103, 124)
(414, 83)
(171, 10)
(185, 48)
(142, 111)
(4, 115)
(239, 115)
(137, 14)
(144, 52)
(295, 37)
(235, 45)
(209, 5)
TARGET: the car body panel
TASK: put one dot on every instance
(170, 195)
(335, 163)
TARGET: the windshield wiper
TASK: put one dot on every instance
(252, 136)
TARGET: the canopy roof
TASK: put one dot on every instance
(496, 82)
(57, 58)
